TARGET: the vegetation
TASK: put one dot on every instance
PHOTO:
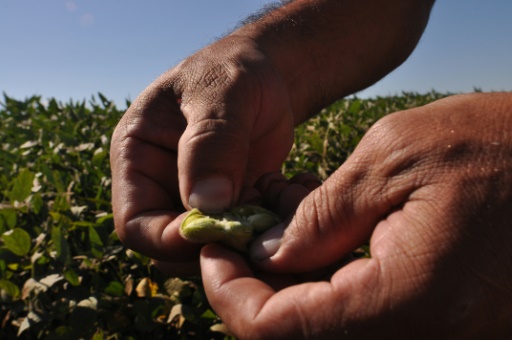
(63, 272)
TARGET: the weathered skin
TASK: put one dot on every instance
(235, 228)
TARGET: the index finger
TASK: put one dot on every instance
(145, 193)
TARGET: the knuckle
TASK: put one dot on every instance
(327, 209)
(131, 233)
(206, 74)
(215, 76)
(318, 216)
(208, 82)
(215, 142)
(126, 233)
(216, 130)
(124, 236)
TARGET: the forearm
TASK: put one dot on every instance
(327, 49)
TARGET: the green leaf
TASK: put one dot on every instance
(37, 203)
(104, 218)
(60, 204)
(55, 177)
(83, 224)
(17, 241)
(96, 243)
(72, 277)
(3, 266)
(95, 237)
(99, 335)
(10, 288)
(209, 314)
(22, 186)
(61, 245)
(99, 157)
(106, 103)
(10, 217)
(114, 288)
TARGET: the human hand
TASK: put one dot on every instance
(200, 134)
(432, 190)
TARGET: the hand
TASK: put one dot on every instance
(207, 129)
(432, 190)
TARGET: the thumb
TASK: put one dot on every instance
(239, 123)
(212, 158)
(332, 220)
(229, 146)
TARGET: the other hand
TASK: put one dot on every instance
(431, 188)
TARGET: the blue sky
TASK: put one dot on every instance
(74, 49)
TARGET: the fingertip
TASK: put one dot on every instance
(212, 195)
(267, 244)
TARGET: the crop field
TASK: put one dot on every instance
(63, 272)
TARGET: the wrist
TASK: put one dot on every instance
(327, 49)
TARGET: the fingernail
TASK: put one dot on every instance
(267, 244)
(211, 195)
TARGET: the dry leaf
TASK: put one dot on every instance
(50, 280)
(128, 285)
(221, 328)
(176, 311)
(146, 288)
(32, 285)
